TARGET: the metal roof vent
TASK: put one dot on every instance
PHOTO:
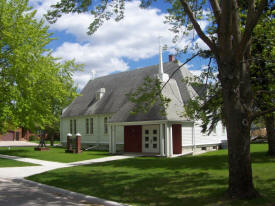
(100, 93)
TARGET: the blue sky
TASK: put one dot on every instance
(117, 46)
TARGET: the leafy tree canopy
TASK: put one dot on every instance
(34, 86)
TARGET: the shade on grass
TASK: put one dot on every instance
(56, 154)
(14, 163)
(198, 180)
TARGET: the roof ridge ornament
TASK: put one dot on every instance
(161, 75)
(93, 74)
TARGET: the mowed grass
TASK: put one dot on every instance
(14, 163)
(56, 154)
(189, 180)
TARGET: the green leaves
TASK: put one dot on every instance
(34, 85)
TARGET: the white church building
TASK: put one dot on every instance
(101, 114)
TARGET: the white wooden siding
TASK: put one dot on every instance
(200, 138)
(186, 134)
(213, 138)
(98, 136)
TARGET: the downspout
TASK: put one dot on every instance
(193, 138)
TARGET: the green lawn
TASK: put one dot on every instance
(56, 154)
(13, 163)
(198, 180)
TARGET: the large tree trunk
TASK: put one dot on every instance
(240, 171)
(236, 107)
(270, 130)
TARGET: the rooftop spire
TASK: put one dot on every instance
(161, 75)
(160, 57)
(93, 74)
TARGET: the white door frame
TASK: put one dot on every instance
(151, 138)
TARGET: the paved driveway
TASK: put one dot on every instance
(17, 193)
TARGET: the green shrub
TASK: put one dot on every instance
(32, 138)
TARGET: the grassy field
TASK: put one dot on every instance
(56, 154)
(189, 180)
(13, 163)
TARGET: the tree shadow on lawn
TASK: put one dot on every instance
(153, 189)
(261, 157)
(212, 162)
(203, 162)
(142, 189)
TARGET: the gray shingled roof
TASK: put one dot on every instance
(116, 103)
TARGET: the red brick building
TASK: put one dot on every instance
(15, 135)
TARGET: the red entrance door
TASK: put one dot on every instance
(176, 132)
(132, 138)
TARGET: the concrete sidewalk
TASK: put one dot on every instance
(103, 159)
(21, 172)
(16, 144)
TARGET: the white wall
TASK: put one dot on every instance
(200, 138)
(186, 134)
(98, 135)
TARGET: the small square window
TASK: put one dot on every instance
(155, 131)
(155, 139)
(155, 146)
(146, 138)
(146, 145)
(146, 131)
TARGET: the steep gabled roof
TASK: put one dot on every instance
(116, 103)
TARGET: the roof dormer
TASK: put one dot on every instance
(100, 93)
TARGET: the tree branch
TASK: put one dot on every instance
(261, 113)
(236, 25)
(225, 29)
(216, 9)
(252, 19)
(188, 60)
(197, 27)
(265, 92)
(208, 70)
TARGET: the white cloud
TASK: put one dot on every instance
(201, 44)
(135, 38)
(188, 66)
(196, 72)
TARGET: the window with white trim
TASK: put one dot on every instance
(105, 125)
(75, 126)
(91, 125)
(87, 126)
(71, 126)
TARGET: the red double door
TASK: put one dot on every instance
(133, 138)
